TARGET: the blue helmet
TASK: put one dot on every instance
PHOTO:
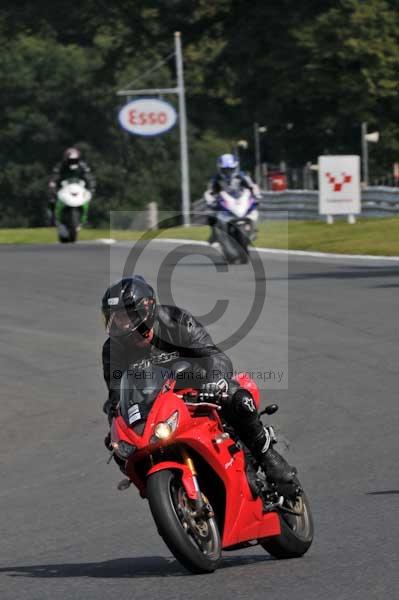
(227, 165)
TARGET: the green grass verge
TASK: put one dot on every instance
(368, 236)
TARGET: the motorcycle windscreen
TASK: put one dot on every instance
(138, 391)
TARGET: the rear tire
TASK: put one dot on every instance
(169, 506)
(296, 534)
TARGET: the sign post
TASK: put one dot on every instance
(185, 181)
(339, 187)
(151, 116)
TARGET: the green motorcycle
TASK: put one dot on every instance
(71, 209)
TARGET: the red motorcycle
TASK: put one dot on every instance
(204, 490)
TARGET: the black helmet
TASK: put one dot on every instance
(128, 306)
(71, 157)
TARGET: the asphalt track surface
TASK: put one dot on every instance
(67, 533)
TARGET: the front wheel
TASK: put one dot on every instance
(73, 224)
(194, 540)
(296, 534)
(241, 241)
(69, 225)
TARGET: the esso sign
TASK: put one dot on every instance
(147, 116)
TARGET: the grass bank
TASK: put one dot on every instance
(368, 236)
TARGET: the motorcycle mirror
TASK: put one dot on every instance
(269, 410)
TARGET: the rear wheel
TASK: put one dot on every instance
(194, 540)
(296, 534)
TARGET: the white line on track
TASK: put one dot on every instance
(302, 253)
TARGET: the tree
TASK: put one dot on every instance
(350, 74)
(310, 71)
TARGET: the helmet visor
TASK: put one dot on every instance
(228, 171)
(128, 319)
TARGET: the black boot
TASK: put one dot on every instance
(276, 467)
(259, 439)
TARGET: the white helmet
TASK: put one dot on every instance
(227, 165)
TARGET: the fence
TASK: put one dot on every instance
(304, 204)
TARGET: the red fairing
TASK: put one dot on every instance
(186, 476)
(201, 443)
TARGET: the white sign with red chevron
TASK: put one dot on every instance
(339, 185)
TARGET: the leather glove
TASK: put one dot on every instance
(107, 441)
(110, 410)
(212, 391)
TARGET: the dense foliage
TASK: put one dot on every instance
(310, 71)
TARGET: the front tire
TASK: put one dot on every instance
(296, 534)
(194, 541)
(68, 228)
(63, 234)
(73, 224)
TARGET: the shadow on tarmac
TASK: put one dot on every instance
(354, 272)
(383, 493)
(146, 566)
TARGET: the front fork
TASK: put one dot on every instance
(202, 506)
(59, 206)
(189, 481)
(85, 213)
(58, 211)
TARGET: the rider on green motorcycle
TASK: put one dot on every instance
(71, 167)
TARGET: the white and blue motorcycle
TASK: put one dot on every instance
(234, 214)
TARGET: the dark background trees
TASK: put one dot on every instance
(322, 67)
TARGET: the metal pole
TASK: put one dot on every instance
(257, 153)
(185, 182)
(365, 155)
(237, 154)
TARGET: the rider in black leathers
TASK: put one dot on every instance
(141, 329)
(71, 166)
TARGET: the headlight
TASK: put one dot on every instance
(164, 429)
(123, 449)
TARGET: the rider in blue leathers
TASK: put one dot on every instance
(228, 177)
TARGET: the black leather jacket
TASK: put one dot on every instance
(62, 171)
(176, 332)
